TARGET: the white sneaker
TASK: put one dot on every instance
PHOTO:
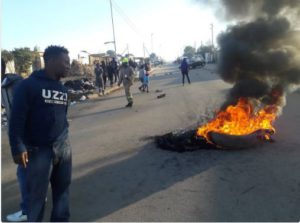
(16, 217)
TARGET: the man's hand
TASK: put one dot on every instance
(21, 159)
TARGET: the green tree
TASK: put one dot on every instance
(204, 49)
(23, 59)
(7, 55)
(111, 53)
(189, 51)
(76, 68)
(36, 58)
(153, 56)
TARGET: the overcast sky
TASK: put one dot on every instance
(84, 25)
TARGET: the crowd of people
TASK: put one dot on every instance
(113, 72)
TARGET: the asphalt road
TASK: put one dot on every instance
(120, 175)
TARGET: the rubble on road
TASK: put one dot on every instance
(182, 141)
(3, 117)
(78, 90)
(161, 96)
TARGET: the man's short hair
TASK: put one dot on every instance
(54, 51)
(3, 66)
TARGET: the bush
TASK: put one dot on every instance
(23, 59)
(76, 68)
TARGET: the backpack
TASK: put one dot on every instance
(8, 87)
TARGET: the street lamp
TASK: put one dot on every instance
(109, 42)
(84, 51)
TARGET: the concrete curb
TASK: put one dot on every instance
(107, 92)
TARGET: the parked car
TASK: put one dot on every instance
(196, 64)
(157, 62)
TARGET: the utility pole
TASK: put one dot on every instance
(128, 49)
(113, 26)
(212, 42)
(144, 50)
(152, 42)
(212, 35)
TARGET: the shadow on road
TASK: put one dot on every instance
(98, 113)
(108, 188)
(245, 185)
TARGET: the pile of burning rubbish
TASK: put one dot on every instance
(236, 127)
(78, 90)
(259, 56)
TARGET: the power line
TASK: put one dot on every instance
(126, 19)
(129, 23)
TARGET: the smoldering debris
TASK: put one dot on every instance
(182, 141)
(161, 96)
(83, 84)
(78, 90)
(188, 141)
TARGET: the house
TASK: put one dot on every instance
(97, 57)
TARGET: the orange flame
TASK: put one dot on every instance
(240, 120)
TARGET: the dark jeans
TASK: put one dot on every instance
(111, 78)
(116, 75)
(22, 175)
(46, 166)
(100, 83)
(104, 80)
(185, 73)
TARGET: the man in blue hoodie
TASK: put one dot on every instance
(38, 134)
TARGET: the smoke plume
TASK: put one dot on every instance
(260, 54)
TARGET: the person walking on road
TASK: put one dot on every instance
(99, 78)
(114, 67)
(104, 68)
(184, 67)
(146, 76)
(141, 76)
(38, 135)
(126, 75)
(110, 73)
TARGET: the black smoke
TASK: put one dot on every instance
(260, 54)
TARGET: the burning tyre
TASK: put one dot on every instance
(254, 139)
(237, 127)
